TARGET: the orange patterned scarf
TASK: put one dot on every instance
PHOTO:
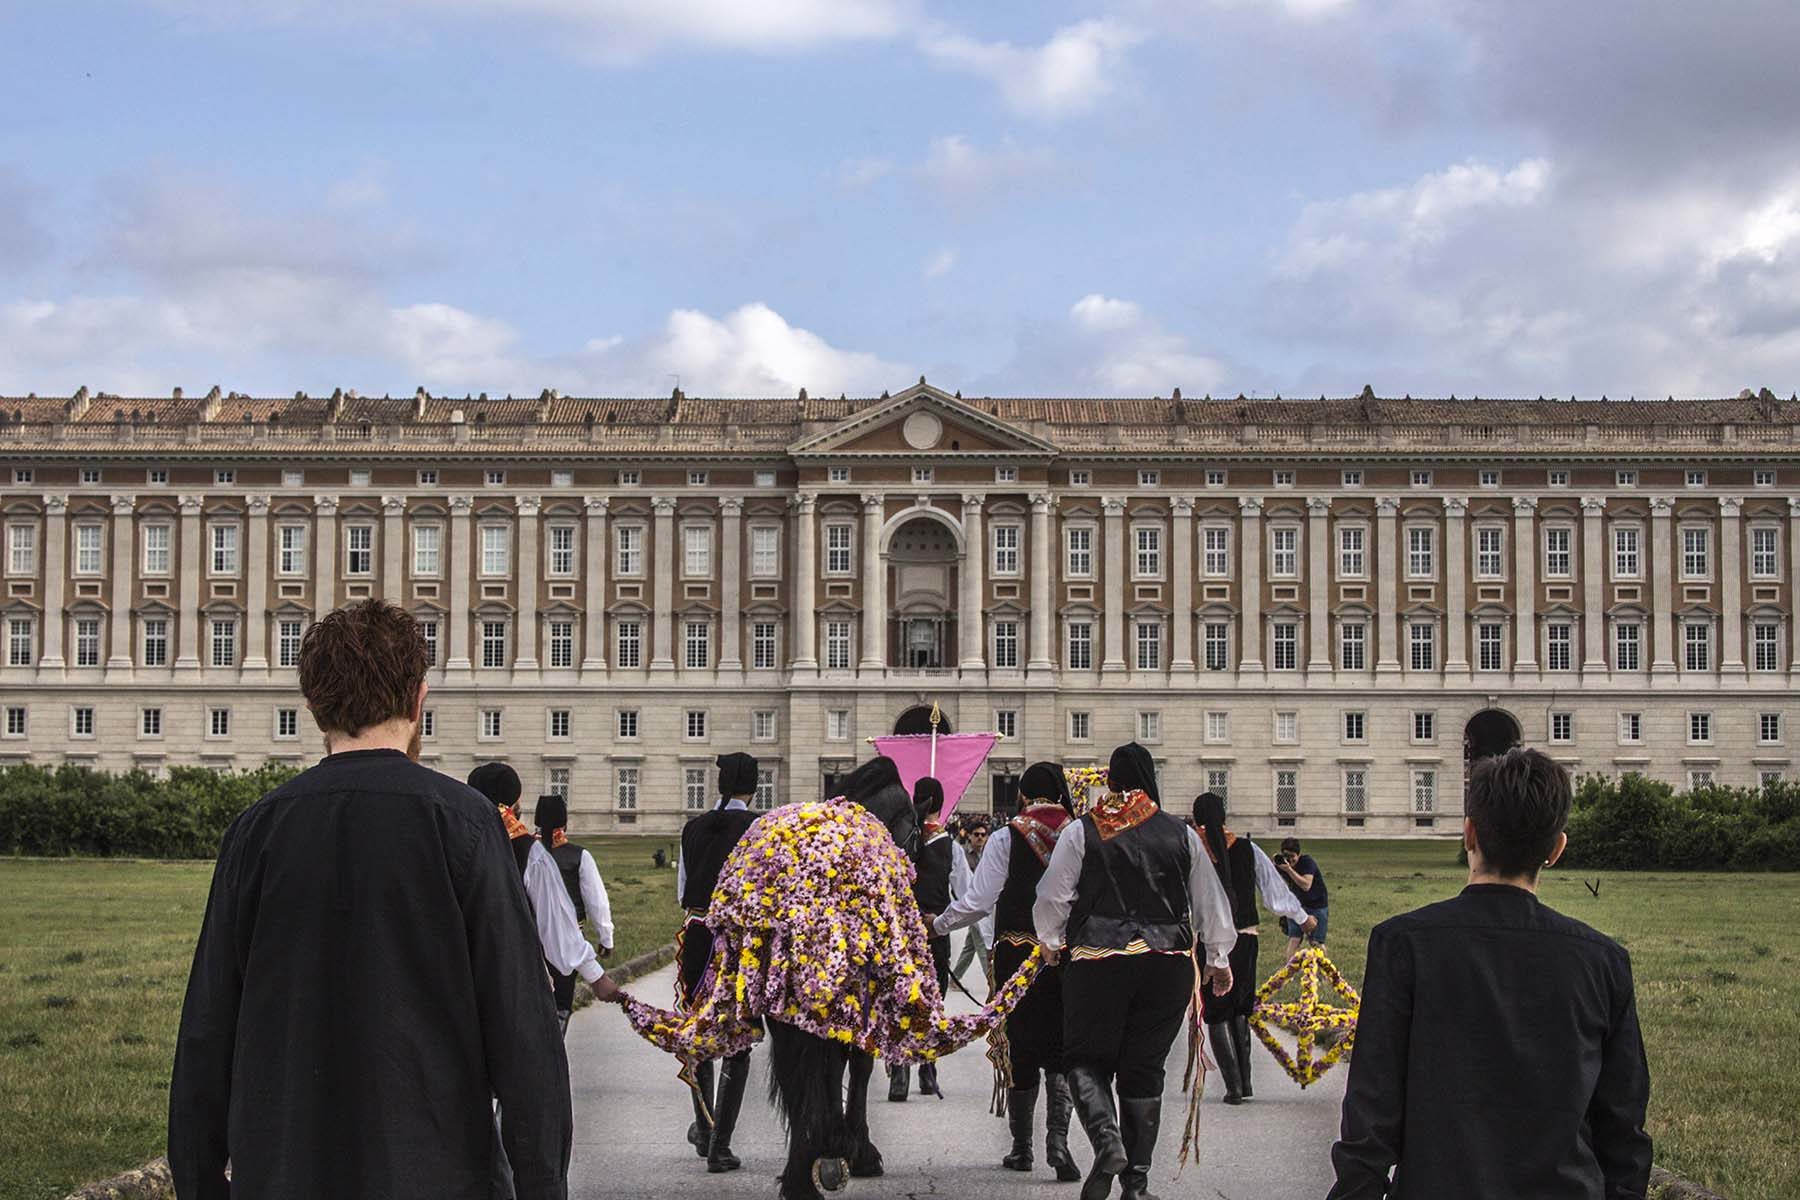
(1039, 826)
(558, 839)
(1116, 813)
(515, 828)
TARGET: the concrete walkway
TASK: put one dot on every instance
(631, 1119)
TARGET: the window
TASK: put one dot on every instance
(1006, 474)
(287, 723)
(1218, 782)
(1422, 643)
(1696, 478)
(428, 723)
(1353, 641)
(1625, 479)
(359, 549)
(1696, 545)
(358, 478)
(1356, 790)
(150, 722)
(1490, 552)
(1424, 727)
(1421, 479)
(1556, 552)
(560, 724)
(1625, 552)
(428, 543)
(428, 629)
(762, 646)
(1696, 644)
(1765, 646)
(1287, 727)
(224, 549)
(1080, 638)
(1424, 792)
(218, 722)
(1559, 646)
(81, 721)
(1287, 792)
(156, 476)
(764, 798)
(562, 643)
(1631, 728)
(1768, 778)
(1081, 726)
(557, 781)
(627, 725)
(694, 725)
(1356, 727)
(428, 477)
(1284, 555)
(763, 479)
(625, 793)
(697, 645)
(496, 551)
(20, 642)
(1763, 561)
(1149, 727)
(1217, 478)
(290, 549)
(837, 474)
(1351, 477)
(1768, 728)
(224, 477)
(1149, 478)
(1081, 478)
(1763, 478)
(630, 478)
(224, 641)
(1489, 647)
(1699, 777)
(762, 725)
(696, 552)
(287, 642)
(1215, 562)
(1149, 646)
(156, 549)
(1350, 551)
(16, 720)
(837, 548)
(1699, 727)
(90, 475)
(1562, 727)
(1285, 651)
(1627, 639)
(696, 477)
(693, 789)
(1149, 552)
(495, 477)
(1006, 644)
(87, 549)
(629, 540)
(1421, 544)
(1556, 479)
(837, 645)
(562, 479)
(493, 643)
(1079, 543)
(21, 543)
(1216, 641)
(1488, 478)
(631, 644)
(837, 724)
(490, 723)
(1006, 549)
(1282, 479)
(921, 474)
(562, 551)
(765, 551)
(156, 642)
(1218, 727)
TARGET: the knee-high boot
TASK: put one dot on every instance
(1058, 1107)
(899, 1084)
(732, 1079)
(1021, 1106)
(928, 1080)
(700, 1132)
(1226, 1053)
(1139, 1122)
(1240, 1038)
(1093, 1098)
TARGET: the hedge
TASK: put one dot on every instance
(1635, 823)
(74, 810)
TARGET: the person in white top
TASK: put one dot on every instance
(581, 879)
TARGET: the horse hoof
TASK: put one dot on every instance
(830, 1174)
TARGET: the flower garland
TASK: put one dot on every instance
(1082, 782)
(1307, 1018)
(815, 924)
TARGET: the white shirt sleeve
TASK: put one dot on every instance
(1056, 890)
(959, 869)
(1276, 894)
(558, 931)
(1210, 906)
(980, 892)
(680, 877)
(595, 899)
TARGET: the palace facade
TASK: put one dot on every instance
(1321, 608)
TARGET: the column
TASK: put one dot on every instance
(124, 549)
(1456, 584)
(187, 656)
(325, 564)
(1525, 584)
(1662, 583)
(1593, 585)
(731, 573)
(1043, 605)
(56, 571)
(1731, 584)
(525, 571)
(1387, 585)
(1114, 617)
(1181, 601)
(461, 529)
(805, 627)
(874, 586)
(256, 587)
(971, 630)
(1250, 582)
(1793, 573)
(594, 564)
(1318, 584)
(662, 586)
(393, 549)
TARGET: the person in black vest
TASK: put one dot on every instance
(706, 842)
(1124, 889)
(581, 878)
(931, 888)
(1244, 870)
(1006, 883)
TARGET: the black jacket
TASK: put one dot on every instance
(1497, 1057)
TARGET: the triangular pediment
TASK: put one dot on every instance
(923, 422)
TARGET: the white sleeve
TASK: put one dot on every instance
(558, 931)
(597, 902)
(977, 898)
(1056, 890)
(680, 877)
(959, 869)
(1210, 905)
(1276, 894)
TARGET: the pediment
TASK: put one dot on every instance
(922, 422)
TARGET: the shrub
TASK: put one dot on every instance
(1634, 823)
(73, 810)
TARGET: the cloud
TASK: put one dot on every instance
(24, 240)
(939, 263)
(965, 175)
(1068, 74)
(1102, 346)
(855, 174)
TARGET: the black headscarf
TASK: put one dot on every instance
(1209, 815)
(876, 786)
(1132, 767)
(498, 782)
(1045, 782)
(552, 814)
(737, 776)
(927, 798)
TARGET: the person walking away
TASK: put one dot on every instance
(1126, 886)
(1308, 884)
(980, 937)
(931, 888)
(1497, 1052)
(581, 879)
(366, 935)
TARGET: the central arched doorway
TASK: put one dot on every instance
(1489, 732)
(922, 557)
(918, 720)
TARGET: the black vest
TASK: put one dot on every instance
(568, 860)
(931, 882)
(706, 842)
(1242, 857)
(1012, 910)
(1134, 887)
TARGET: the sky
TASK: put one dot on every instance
(1018, 197)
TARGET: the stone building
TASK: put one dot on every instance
(1320, 607)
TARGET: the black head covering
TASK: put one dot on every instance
(876, 786)
(1045, 781)
(737, 775)
(1209, 815)
(498, 782)
(927, 797)
(552, 813)
(1132, 767)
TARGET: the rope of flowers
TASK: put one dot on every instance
(1082, 782)
(1307, 1018)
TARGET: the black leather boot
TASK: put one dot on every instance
(1021, 1105)
(1058, 1107)
(1094, 1105)
(732, 1079)
(1226, 1053)
(899, 1084)
(700, 1132)
(1139, 1122)
(1240, 1038)
(928, 1080)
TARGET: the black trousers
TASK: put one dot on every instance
(565, 991)
(940, 962)
(696, 954)
(1240, 1001)
(1034, 1029)
(1121, 1015)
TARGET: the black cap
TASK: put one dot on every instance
(498, 782)
(1045, 781)
(928, 797)
(1133, 768)
(737, 774)
(552, 812)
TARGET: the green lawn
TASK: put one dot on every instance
(94, 957)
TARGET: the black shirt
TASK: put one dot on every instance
(1314, 896)
(1497, 1057)
(706, 842)
(368, 978)
(1134, 886)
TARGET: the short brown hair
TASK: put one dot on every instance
(361, 666)
(1518, 802)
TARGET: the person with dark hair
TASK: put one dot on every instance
(932, 865)
(971, 842)
(1244, 870)
(1006, 884)
(706, 842)
(1125, 888)
(581, 879)
(366, 931)
(1497, 1050)
(1307, 883)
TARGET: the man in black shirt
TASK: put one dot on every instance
(368, 978)
(1497, 1050)
(931, 888)
(1307, 883)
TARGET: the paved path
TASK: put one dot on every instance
(631, 1119)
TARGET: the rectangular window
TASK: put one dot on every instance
(359, 549)
(495, 477)
(156, 549)
(762, 725)
(631, 644)
(87, 641)
(628, 724)
(287, 723)
(1764, 563)
(20, 641)
(1080, 645)
(1006, 549)
(1282, 479)
(562, 643)
(1218, 782)
(1627, 639)
(1218, 727)
(562, 479)
(764, 799)
(1768, 728)
(1489, 655)
(156, 476)
(1149, 727)
(1631, 728)
(1149, 552)
(762, 646)
(1696, 478)
(490, 723)
(765, 551)
(290, 549)
(1765, 646)
(1421, 552)
(837, 645)
(1696, 556)
(428, 629)
(1562, 727)
(493, 643)
(562, 551)
(1768, 777)
(1216, 556)
(1353, 642)
(1696, 643)
(630, 478)
(218, 722)
(1006, 474)
(837, 474)
(921, 474)
(1079, 541)
(1351, 477)
(763, 479)
(358, 478)
(428, 550)
(1763, 478)
(496, 551)
(694, 725)
(21, 541)
(1421, 479)
(1625, 552)
(1080, 478)
(1424, 792)
(693, 789)
(224, 549)
(17, 720)
(1285, 651)
(1488, 478)
(1006, 644)
(1081, 726)
(1284, 557)
(1287, 792)
(224, 641)
(1356, 790)
(1699, 727)
(225, 477)
(1216, 478)
(1149, 646)
(1149, 478)
(428, 477)
(1698, 778)
(557, 779)
(837, 724)
(837, 548)
(1424, 727)
(696, 552)
(696, 478)
(428, 723)
(87, 549)
(1287, 727)
(1625, 479)
(1350, 552)
(1557, 559)
(1490, 552)
(697, 643)
(1556, 479)
(150, 723)
(629, 539)
(1559, 646)
(625, 794)
(156, 642)
(287, 642)
(1356, 727)
(560, 724)
(1422, 642)
(90, 475)
(1216, 642)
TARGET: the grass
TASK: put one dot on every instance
(94, 960)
